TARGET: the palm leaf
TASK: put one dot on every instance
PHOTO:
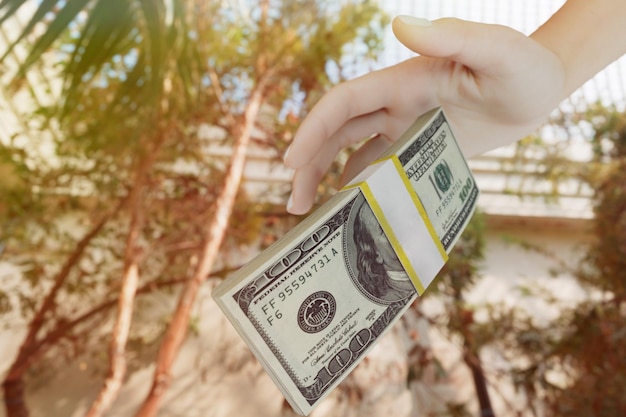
(154, 16)
(110, 23)
(110, 29)
(54, 30)
(10, 7)
(188, 62)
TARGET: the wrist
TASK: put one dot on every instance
(586, 36)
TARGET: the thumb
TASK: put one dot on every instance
(478, 46)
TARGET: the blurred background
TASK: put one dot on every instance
(140, 146)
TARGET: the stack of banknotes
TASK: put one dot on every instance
(313, 304)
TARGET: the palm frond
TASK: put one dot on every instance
(55, 29)
(109, 25)
(153, 14)
(10, 8)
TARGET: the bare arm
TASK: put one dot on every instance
(586, 35)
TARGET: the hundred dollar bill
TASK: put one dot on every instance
(313, 304)
(439, 174)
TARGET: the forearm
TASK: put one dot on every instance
(586, 35)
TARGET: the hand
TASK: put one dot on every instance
(495, 85)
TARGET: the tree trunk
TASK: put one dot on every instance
(472, 360)
(470, 355)
(126, 299)
(177, 329)
(13, 388)
(117, 352)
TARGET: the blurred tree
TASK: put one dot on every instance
(113, 191)
(592, 335)
(456, 279)
(460, 275)
(574, 364)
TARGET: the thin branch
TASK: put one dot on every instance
(13, 384)
(117, 353)
(213, 238)
(62, 329)
(49, 301)
(130, 280)
(219, 94)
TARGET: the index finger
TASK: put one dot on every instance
(360, 96)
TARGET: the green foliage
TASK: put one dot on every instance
(596, 329)
(140, 82)
(573, 365)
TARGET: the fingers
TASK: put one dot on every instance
(362, 157)
(483, 75)
(501, 73)
(360, 96)
(406, 90)
(359, 128)
(305, 182)
(478, 46)
(365, 95)
(384, 102)
(307, 178)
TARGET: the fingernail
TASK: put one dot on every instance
(286, 154)
(290, 203)
(415, 21)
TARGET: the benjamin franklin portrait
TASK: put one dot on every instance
(378, 270)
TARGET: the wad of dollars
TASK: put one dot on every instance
(314, 303)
